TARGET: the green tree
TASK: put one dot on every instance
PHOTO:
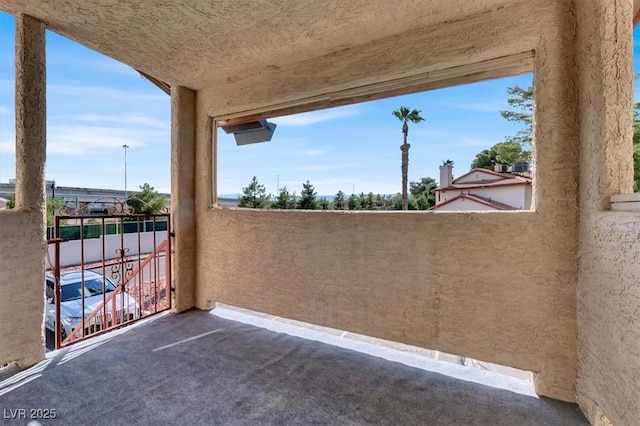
(338, 201)
(405, 115)
(352, 203)
(53, 205)
(284, 200)
(510, 152)
(485, 159)
(422, 202)
(11, 201)
(147, 200)
(447, 162)
(422, 191)
(307, 199)
(521, 102)
(323, 204)
(369, 201)
(254, 196)
(395, 203)
(500, 153)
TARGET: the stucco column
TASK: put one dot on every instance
(30, 113)
(604, 58)
(24, 268)
(183, 145)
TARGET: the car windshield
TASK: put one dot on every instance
(92, 287)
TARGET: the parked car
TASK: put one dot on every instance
(71, 303)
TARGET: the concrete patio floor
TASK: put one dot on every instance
(196, 368)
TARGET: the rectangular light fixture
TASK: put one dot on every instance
(251, 132)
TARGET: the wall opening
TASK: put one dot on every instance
(108, 157)
(471, 149)
(631, 202)
(636, 109)
(108, 180)
(7, 110)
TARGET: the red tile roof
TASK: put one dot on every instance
(487, 171)
(506, 179)
(478, 199)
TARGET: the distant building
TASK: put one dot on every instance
(483, 189)
(87, 200)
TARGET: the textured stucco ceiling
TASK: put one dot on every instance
(195, 42)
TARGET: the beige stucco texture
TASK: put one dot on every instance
(21, 287)
(195, 43)
(609, 280)
(496, 287)
(609, 314)
(553, 290)
(421, 279)
(183, 133)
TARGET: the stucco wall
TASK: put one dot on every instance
(610, 319)
(389, 274)
(21, 287)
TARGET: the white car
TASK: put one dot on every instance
(71, 303)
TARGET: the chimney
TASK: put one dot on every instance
(446, 175)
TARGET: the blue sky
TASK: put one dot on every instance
(95, 105)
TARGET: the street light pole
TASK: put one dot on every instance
(125, 146)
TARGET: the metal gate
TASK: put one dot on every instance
(105, 272)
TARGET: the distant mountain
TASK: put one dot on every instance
(234, 196)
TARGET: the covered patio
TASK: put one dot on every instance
(197, 368)
(442, 281)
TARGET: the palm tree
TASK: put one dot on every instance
(405, 115)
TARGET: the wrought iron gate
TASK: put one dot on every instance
(105, 272)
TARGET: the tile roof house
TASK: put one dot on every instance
(483, 189)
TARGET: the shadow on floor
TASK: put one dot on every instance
(195, 368)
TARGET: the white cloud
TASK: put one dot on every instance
(7, 147)
(138, 120)
(324, 167)
(97, 92)
(83, 139)
(308, 118)
(484, 106)
(313, 152)
(106, 64)
(474, 141)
